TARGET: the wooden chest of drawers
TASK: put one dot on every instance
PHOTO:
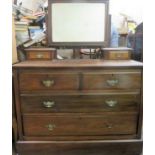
(79, 107)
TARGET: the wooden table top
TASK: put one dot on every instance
(79, 63)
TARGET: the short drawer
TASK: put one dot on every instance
(61, 125)
(113, 80)
(79, 103)
(40, 54)
(117, 55)
(43, 81)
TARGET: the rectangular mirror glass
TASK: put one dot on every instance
(78, 22)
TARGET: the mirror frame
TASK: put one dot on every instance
(105, 43)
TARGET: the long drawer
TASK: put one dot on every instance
(80, 103)
(45, 81)
(67, 125)
(111, 80)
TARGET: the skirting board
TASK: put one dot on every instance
(106, 147)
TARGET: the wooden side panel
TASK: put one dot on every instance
(17, 104)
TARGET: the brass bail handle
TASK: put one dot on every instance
(109, 126)
(48, 83)
(48, 104)
(111, 103)
(112, 82)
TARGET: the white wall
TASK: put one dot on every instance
(133, 8)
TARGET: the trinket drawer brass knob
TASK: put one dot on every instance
(39, 56)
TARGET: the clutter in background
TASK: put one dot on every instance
(30, 26)
(135, 41)
(127, 27)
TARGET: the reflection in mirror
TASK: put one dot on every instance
(78, 22)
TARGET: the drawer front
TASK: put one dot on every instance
(43, 81)
(33, 55)
(118, 55)
(61, 125)
(120, 80)
(79, 103)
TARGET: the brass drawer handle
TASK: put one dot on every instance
(48, 104)
(111, 103)
(50, 127)
(112, 82)
(119, 55)
(39, 56)
(109, 126)
(48, 83)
